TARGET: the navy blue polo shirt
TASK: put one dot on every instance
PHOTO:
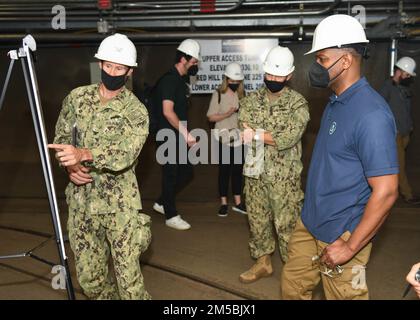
(356, 141)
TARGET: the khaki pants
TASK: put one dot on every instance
(404, 186)
(301, 275)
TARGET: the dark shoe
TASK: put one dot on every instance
(240, 208)
(223, 211)
(413, 200)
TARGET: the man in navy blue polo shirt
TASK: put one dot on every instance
(353, 177)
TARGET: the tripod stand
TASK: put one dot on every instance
(24, 54)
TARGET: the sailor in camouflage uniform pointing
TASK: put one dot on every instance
(99, 134)
(274, 118)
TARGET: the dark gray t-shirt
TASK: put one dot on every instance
(399, 100)
(171, 87)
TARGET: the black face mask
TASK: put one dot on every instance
(274, 86)
(193, 70)
(406, 82)
(319, 75)
(233, 86)
(113, 83)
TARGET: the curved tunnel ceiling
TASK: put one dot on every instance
(175, 19)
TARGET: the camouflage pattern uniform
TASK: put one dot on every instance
(108, 209)
(274, 194)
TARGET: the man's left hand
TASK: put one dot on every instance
(337, 253)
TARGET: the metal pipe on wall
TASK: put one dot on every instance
(154, 14)
(229, 5)
(242, 15)
(151, 36)
(172, 5)
(25, 12)
(393, 59)
(157, 4)
(220, 16)
(176, 6)
(171, 36)
(90, 15)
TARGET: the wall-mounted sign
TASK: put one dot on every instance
(216, 54)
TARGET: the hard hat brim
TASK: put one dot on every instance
(198, 58)
(413, 74)
(103, 58)
(313, 50)
(277, 74)
(234, 78)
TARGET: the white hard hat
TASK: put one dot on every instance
(407, 64)
(279, 62)
(234, 71)
(337, 30)
(118, 49)
(190, 47)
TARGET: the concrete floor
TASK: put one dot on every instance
(202, 263)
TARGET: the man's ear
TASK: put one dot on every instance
(290, 76)
(348, 60)
(130, 72)
(100, 64)
(183, 60)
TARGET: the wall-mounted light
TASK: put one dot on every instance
(207, 6)
(104, 4)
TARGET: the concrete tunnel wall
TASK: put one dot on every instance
(59, 70)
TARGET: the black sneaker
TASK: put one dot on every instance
(240, 208)
(223, 211)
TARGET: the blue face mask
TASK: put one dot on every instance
(319, 75)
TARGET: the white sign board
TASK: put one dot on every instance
(216, 54)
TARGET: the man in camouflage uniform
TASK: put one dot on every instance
(100, 158)
(275, 119)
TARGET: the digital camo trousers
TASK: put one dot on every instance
(93, 238)
(277, 203)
